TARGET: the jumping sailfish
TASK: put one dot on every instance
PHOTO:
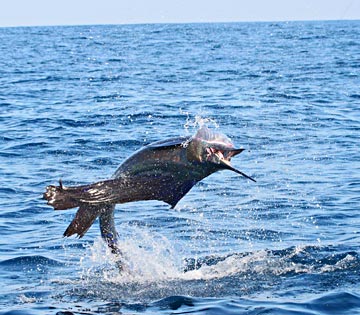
(164, 170)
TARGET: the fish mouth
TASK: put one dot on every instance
(223, 158)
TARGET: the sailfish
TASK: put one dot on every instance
(164, 170)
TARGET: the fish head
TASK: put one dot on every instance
(213, 150)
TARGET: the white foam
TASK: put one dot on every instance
(149, 257)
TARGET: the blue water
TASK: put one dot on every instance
(76, 101)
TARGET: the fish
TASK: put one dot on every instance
(165, 170)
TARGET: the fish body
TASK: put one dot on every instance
(164, 170)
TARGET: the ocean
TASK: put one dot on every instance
(76, 101)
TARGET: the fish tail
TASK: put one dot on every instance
(107, 228)
(84, 218)
(61, 197)
(86, 198)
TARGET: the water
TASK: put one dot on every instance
(76, 101)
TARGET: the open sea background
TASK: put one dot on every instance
(76, 101)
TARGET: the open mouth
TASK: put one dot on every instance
(222, 154)
(212, 151)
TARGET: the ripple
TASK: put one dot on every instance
(29, 262)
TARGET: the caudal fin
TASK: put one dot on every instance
(61, 197)
(108, 191)
(83, 220)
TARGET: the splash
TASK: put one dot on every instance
(196, 122)
(151, 258)
(155, 269)
(147, 257)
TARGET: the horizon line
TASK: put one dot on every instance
(174, 23)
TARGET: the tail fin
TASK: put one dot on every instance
(84, 218)
(108, 191)
(61, 197)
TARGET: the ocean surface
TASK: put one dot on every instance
(76, 101)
